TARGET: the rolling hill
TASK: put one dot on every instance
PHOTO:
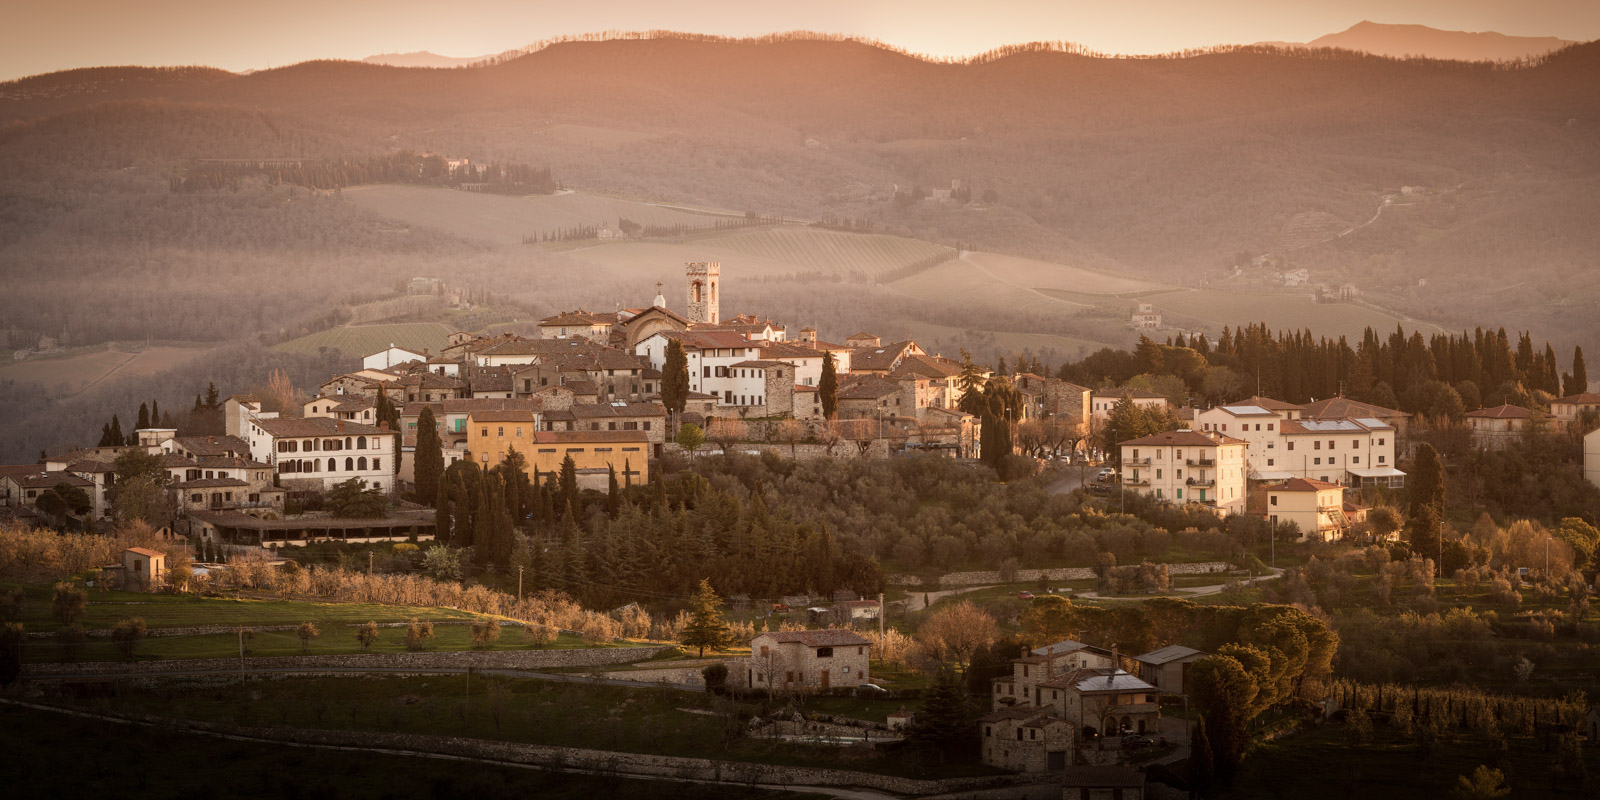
(1420, 40)
(1158, 169)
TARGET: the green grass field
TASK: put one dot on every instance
(47, 756)
(105, 609)
(658, 721)
(360, 340)
(1279, 312)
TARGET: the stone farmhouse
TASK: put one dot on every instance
(800, 661)
(1494, 428)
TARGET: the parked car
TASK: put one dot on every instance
(1024, 595)
(1105, 474)
(1137, 742)
(871, 690)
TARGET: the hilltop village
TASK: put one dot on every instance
(669, 484)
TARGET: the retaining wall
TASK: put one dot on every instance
(477, 659)
(1059, 574)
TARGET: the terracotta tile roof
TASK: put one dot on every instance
(1183, 439)
(865, 387)
(831, 637)
(143, 552)
(578, 317)
(584, 437)
(1304, 485)
(46, 480)
(617, 409)
(1136, 395)
(1506, 411)
(88, 465)
(1581, 399)
(500, 416)
(1344, 407)
(210, 483)
(212, 445)
(781, 350)
(879, 359)
(1269, 404)
(315, 426)
(467, 405)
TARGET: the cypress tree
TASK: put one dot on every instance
(428, 459)
(441, 513)
(155, 414)
(116, 432)
(613, 494)
(828, 387)
(1578, 380)
(675, 379)
(144, 417)
(568, 497)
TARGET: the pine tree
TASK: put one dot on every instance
(428, 458)
(944, 725)
(706, 626)
(213, 397)
(828, 387)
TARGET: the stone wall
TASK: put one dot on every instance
(477, 659)
(1059, 574)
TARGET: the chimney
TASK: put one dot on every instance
(338, 425)
(382, 424)
(211, 440)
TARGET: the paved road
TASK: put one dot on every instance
(1191, 591)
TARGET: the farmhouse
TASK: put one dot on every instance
(1026, 740)
(795, 661)
(318, 453)
(1167, 669)
(1494, 428)
(1316, 508)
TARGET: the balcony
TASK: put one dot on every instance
(1200, 482)
(1136, 462)
(1138, 482)
(1201, 462)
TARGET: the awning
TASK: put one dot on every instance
(1379, 472)
(1273, 476)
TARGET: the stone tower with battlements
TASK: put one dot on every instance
(703, 279)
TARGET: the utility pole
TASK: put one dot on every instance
(369, 563)
(1274, 542)
(240, 630)
(881, 611)
(519, 583)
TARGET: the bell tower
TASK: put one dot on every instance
(703, 279)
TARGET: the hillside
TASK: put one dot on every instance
(1161, 169)
(1420, 40)
(420, 58)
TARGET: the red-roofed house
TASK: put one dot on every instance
(1315, 507)
(1493, 428)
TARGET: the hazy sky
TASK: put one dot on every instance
(47, 35)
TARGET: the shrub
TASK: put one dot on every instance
(484, 633)
(127, 634)
(367, 634)
(716, 677)
(68, 604)
(307, 631)
(418, 634)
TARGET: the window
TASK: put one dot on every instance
(824, 652)
(630, 449)
(333, 464)
(196, 497)
(484, 433)
(361, 442)
(1317, 445)
(1158, 474)
(547, 449)
(1354, 444)
(1269, 426)
(1317, 461)
(1291, 446)
(1355, 459)
(377, 463)
(1380, 441)
(1272, 500)
(349, 463)
(574, 450)
(988, 730)
(602, 449)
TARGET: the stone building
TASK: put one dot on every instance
(791, 661)
(1026, 740)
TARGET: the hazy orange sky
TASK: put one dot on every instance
(47, 35)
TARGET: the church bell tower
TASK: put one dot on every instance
(703, 279)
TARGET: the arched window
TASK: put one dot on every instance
(713, 291)
(361, 463)
(695, 290)
(361, 442)
(347, 443)
(349, 464)
(333, 465)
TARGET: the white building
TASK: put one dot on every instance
(1187, 467)
(1357, 452)
(714, 359)
(1591, 456)
(390, 356)
(319, 453)
(1257, 426)
(1101, 402)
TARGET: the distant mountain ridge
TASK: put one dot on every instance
(421, 58)
(1399, 41)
